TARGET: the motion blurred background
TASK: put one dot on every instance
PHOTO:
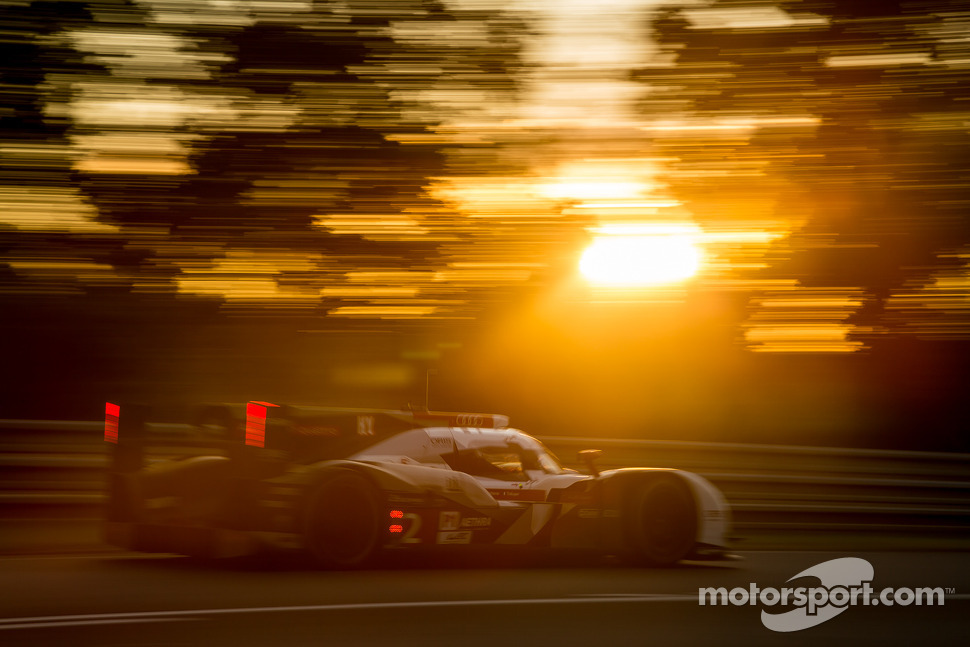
(718, 221)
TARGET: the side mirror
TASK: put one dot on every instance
(589, 457)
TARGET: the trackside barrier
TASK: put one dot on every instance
(57, 469)
(796, 487)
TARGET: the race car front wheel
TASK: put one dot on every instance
(661, 522)
(343, 522)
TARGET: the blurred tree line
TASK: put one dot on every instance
(336, 107)
(876, 185)
(879, 187)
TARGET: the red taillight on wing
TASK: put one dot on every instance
(256, 423)
(111, 413)
(396, 528)
(397, 514)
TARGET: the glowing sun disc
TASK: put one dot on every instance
(640, 260)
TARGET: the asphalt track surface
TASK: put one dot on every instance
(128, 600)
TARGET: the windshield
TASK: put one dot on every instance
(550, 464)
(536, 456)
(508, 462)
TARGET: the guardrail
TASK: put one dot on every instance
(796, 487)
(51, 469)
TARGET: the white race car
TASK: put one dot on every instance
(347, 485)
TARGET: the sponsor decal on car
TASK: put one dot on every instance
(365, 425)
(449, 520)
(476, 522)
(455, 537)
(517, 494)
(316, 430)
(453, 484)
(440, 441)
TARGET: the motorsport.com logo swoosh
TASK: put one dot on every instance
(844, 582)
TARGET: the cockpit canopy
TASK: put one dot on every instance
(506, 454)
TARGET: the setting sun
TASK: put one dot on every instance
(576, 190)
(642, 258)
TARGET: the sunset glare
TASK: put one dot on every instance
(640, 259)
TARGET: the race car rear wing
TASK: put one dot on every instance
(128, 432)
(298, 432)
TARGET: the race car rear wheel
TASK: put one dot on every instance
(661, 522)
(343, 521)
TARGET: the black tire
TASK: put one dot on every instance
(343, 523)
(661, 522)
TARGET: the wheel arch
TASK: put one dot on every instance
(315, 494)
(712, 508)
(622, 504)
